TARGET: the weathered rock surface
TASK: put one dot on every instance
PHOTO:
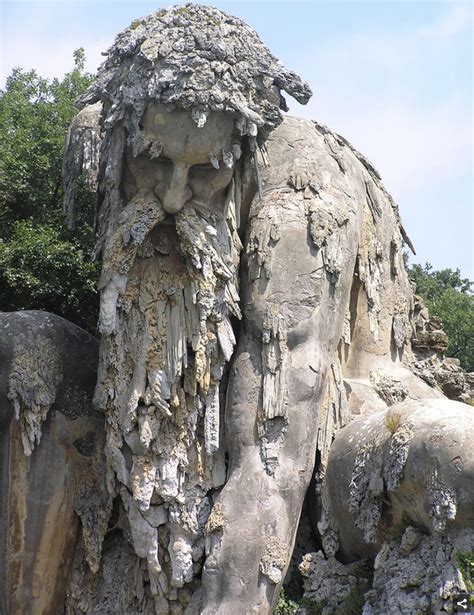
(414, 573)
(412, 465)
(419, 573)
(277, 379)
(331, 585)
(201, 59)
(254, 301)
(429, 343)
(413, 462)
(51, 462)
(81, 158)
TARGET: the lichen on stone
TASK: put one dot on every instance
(217, 519)
(274, 558)
(396, 455)
(365, 490)
(443, 501)
(333, 585)
(418, 574)
(388, 388)
(35, 374)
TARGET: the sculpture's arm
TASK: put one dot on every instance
(292, 325)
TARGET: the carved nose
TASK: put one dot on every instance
(178, 191)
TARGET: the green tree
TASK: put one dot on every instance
(449, 296)
(40, 270)
(42, 264)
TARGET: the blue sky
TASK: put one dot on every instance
(394, 78)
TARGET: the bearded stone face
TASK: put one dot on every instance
(182, 162)
(170, 285)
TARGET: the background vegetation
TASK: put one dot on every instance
(449, 296)
(43, 265)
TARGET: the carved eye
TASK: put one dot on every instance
(163, 168)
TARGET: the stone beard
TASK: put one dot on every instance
(167, 336)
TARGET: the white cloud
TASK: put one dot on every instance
(454, 21)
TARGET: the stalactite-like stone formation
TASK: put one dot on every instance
(34, 377)
(161, 367)
(169, 285)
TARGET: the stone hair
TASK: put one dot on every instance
(198, 58)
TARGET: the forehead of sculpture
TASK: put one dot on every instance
(180, 137)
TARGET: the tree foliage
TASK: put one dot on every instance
(449, 296)
(41, 270)
(42, 264)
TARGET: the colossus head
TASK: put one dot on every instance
(188, 97)
(192, 86)
(185, 92)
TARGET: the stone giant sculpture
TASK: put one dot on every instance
(253, 299)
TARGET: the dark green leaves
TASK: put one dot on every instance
(42, 265)
(449, 296)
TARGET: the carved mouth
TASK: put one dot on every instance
(168, 221)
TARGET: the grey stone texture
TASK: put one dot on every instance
(254, 302)
(399, 488)
(51, 459)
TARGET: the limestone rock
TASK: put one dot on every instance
(419, 573)
(412, 462)
(331, 585)
(398, 490)
(201, 59)
(81, 157)
(52, 465)
(429, 343)
(428, 333)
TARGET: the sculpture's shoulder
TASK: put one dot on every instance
(306, 155)
(87, 117)
(28, 326)
(312, 149)
(83, 125)
(81, 156)
(41, 335)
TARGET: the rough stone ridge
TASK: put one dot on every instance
(329, 584)
(418, 573)
(430, 343)
(414, 573)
